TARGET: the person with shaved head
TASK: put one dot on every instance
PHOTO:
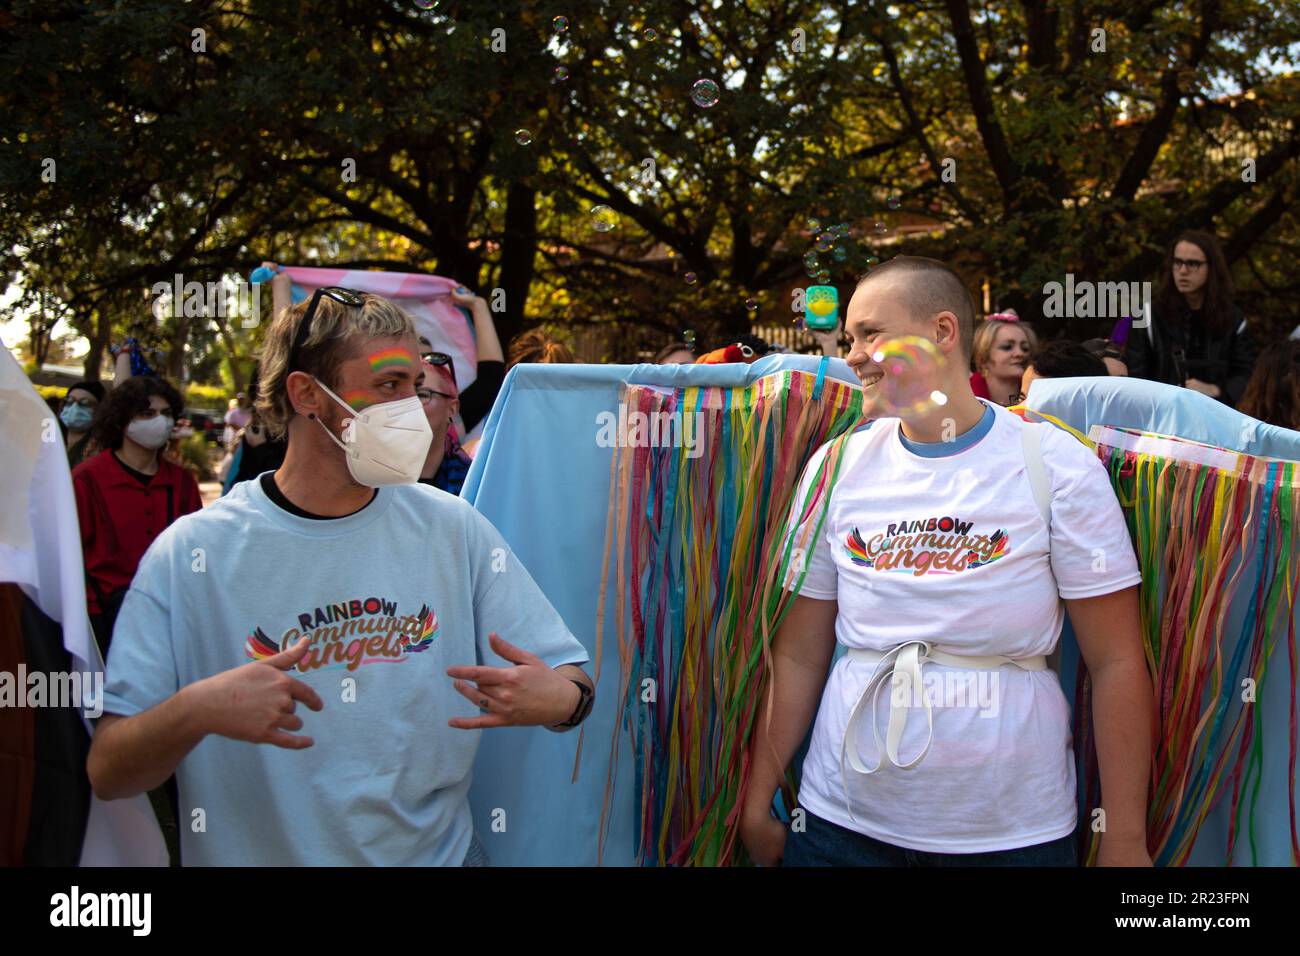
(951, 545)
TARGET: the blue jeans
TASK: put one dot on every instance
(827, 844)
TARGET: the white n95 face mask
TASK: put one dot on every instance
(386, 444)
(151, 433)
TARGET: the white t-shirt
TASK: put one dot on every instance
(953, 550)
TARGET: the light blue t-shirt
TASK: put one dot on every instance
(393, 595)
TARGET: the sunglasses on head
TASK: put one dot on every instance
(348, 297)
(440, 360)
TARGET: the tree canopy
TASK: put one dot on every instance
(736, 149)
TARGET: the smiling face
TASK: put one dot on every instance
(878, 312)
(1009, 355)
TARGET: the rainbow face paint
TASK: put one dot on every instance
(358, 400)
(391, 358)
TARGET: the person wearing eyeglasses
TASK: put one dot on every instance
(1196, 336)
(392, 612)
(129, 493)
(75, 417)
(447, 463)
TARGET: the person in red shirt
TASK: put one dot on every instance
(128, 493)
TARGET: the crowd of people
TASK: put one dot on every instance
(326, 454)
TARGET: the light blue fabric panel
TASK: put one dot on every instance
(1125, 402)
(540, 477)
(542, 480)
(1169, 410)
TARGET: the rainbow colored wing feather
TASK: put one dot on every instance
(428, 629)
(999, 542)
(259, 647)
(857, 549)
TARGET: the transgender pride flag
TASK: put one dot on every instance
(427, 299)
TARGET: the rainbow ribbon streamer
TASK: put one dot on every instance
(698, 549)
(1212, 529)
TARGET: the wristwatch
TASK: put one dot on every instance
(586, 698)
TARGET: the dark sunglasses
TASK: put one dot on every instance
(347, 297)
(440, 360)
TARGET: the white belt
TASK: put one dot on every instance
(907, 661)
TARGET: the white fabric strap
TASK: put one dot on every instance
(1031, 443)
(905, 664)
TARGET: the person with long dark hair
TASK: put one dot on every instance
(128, 493)
(1197, 336)
(1273, 393)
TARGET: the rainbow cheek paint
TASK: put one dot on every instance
(358, 400)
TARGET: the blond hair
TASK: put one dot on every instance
(337, 330)
(985, 334)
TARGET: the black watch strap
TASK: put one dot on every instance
(586, 699)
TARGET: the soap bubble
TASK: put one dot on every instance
(649, 35)
(561, 73)
(426, 4)
(823, 242)
(811, 261)
(839, 253)
(814, 225)
(689, 337)
(523, 137)
(691, 278)
(751, 305)
(824, 276)
(841, 230)
(705, 93)
(603, 219)
(872, 261)
(880, 228)
(561, 24)
(910, 366)
(893, 202)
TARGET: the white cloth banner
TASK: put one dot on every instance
(40, 550)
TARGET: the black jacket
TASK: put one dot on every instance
(1178, 348)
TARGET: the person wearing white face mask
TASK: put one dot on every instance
(128, 494)
(393, 611)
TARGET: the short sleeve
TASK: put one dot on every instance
(141, 669)
(508, 601)
(1092, 553)
(810, 553)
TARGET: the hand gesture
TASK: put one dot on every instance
(530, 693)
(256, 702)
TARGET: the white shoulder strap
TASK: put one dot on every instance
(1031, 441)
